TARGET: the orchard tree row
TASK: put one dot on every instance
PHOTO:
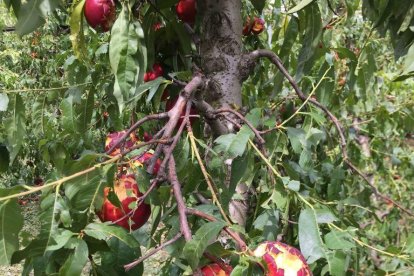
(241, 137)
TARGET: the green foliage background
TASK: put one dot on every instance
(57, 90)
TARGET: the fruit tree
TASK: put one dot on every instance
(239, 137)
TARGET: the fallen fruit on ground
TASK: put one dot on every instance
(282, 259)
(127, 191)
(114, 137)
(186, 10)
(100, 14)
(215, 270)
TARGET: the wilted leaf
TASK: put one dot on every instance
(76, 29)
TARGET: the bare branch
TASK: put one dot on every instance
(135, 126)
(172, 175)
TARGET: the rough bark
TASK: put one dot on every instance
(222, 62)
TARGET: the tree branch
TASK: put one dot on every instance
(172, 176)
(279, 64)
(152, 252)
(240, 242)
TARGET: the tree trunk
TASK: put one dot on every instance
(222, 62)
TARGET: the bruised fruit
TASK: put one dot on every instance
(282, 259)
(171, 103)
(258, 25)
(126, 189)
(100, 14)
(215, 270)
(186, 10)
(114, 137)
(255, 26)
(157, 71)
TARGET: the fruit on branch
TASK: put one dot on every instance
(186, 11)
(171, 103)
(255, 26)
(247, 27)
(282, 259)
(157, 26)
(147, 137)
(143, 160)
(258, 26)
(215, 270)
(157, 71)
(100, 14)
(126, 189)
(114, 137)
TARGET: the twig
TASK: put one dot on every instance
(135, 126)
(152, 252)
(241, 117)
(172, 175)
(62, 180)
(210, 184)
(277, 61)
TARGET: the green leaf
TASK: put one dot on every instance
(87, 112)
(235, 144)
(121, 254)
(29, 18)
(194, 249)
(339, 240)
(86, 192)
(61, 238)
(70, 116)
(4, 102)
(102, 231)
(126, 56)
(338, 263)
(258, 4)
(77, 36)
(325, 216)
(73, 265)
(300, 6)
(311, 39)
(11, 222)
(297, 138)
(310, 242)
(16, 127)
